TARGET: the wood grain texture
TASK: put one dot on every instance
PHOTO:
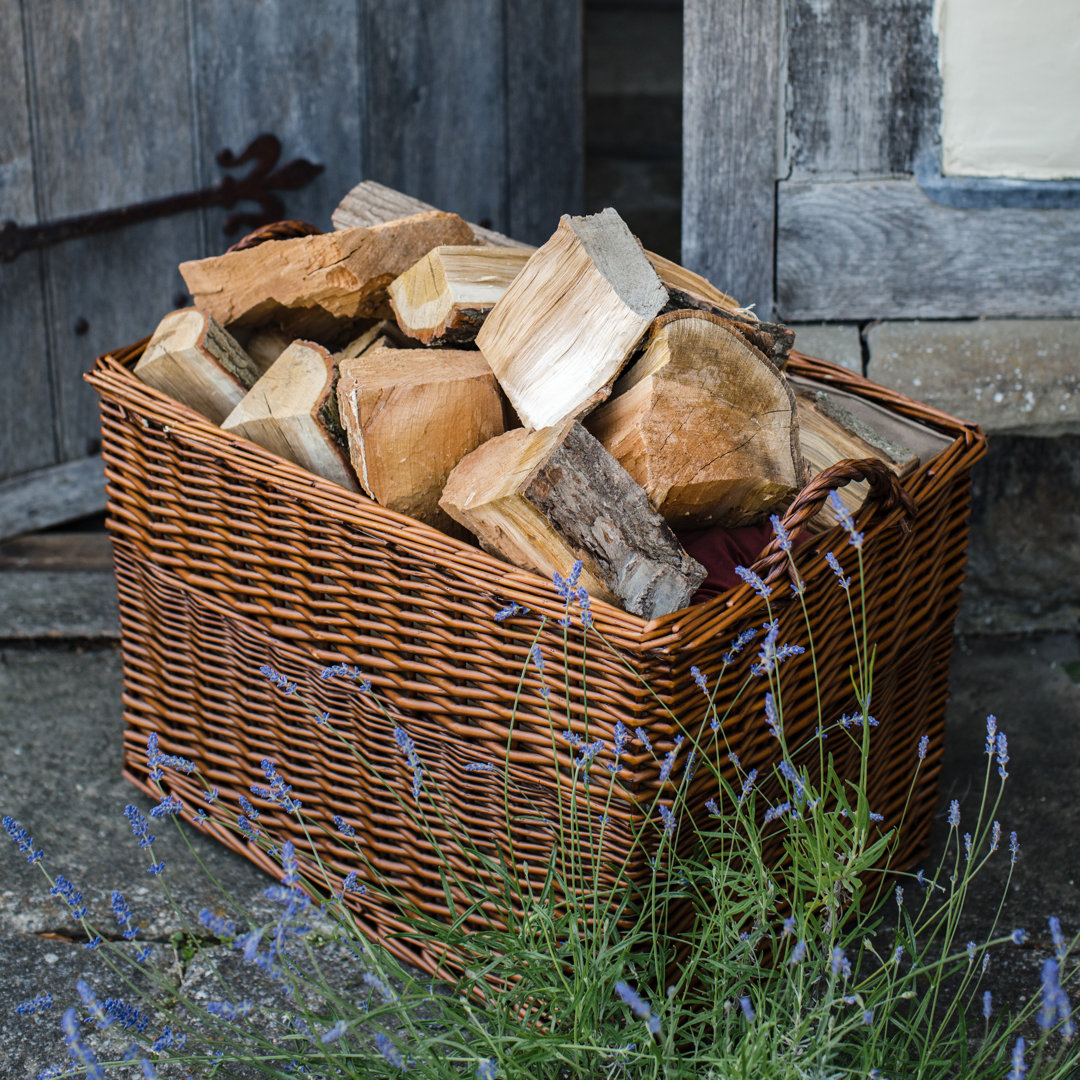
(862, 87)
(36, 500)
(730, 79)
(435, 94)
(265, 67)
(112, 125)
(881, 249)
(27, 435)
(545, 123)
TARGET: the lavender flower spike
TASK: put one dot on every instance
(751, 579)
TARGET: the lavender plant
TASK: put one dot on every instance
(819, 965)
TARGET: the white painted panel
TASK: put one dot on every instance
(1010, 87)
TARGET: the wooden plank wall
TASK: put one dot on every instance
(730, 99)
(474, 105)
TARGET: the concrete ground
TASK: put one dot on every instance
(60, 732)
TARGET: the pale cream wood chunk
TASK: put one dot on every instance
(570, 320)
(446, 296)
(705, 423)
(292, 412)
(370, 203)
(265, 345)
(544, 499)
(410, 416)
(318, 287)
(193, 360)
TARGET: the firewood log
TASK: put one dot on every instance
(318, 286)
(370, 203)
(445, 297)
(193, 360)
(705, 424)
(544, 499)
(410, 416)
(292, 412)
(571, 318)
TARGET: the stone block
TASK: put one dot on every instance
(1024, 560)
(1011, 376)
(837, 342)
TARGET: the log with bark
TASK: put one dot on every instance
(571, 318)
(545, 499)
(445, 297)
(705, 423)
(292, 412)
(410, 416)
(193, 360)
(319, 286)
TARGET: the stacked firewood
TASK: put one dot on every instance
(584, 400)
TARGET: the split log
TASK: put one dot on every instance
(410, 416)
(384, 333)
(833, 427)
(705, 424)
(570, 320)
(265, 345)
(370, 203)
(544, 499)
(318, 286)
(292, 412)
(193, 360)
(445, 297)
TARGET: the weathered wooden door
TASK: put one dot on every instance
(472, 105)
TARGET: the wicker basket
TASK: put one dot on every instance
(228, 557)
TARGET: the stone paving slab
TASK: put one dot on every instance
(58, 605)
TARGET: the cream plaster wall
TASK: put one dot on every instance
(1011, 87)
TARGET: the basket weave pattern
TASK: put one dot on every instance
(228, 557)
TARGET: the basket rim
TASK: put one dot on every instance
(113, 378)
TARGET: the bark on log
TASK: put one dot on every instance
(545, 499)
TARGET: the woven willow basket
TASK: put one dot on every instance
(228, 558)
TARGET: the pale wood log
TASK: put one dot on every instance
(385, 332)
(834, 425)
(193, 360)
(571, 318)
(544, 499)
(410, 416)
(292, 412)
(265, 345)
(318, 286)
(445, 297)
(371, 203)
(705, 424)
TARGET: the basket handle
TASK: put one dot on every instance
(886, 493)
(278, 230)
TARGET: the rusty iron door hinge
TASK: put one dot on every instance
(260, 185)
